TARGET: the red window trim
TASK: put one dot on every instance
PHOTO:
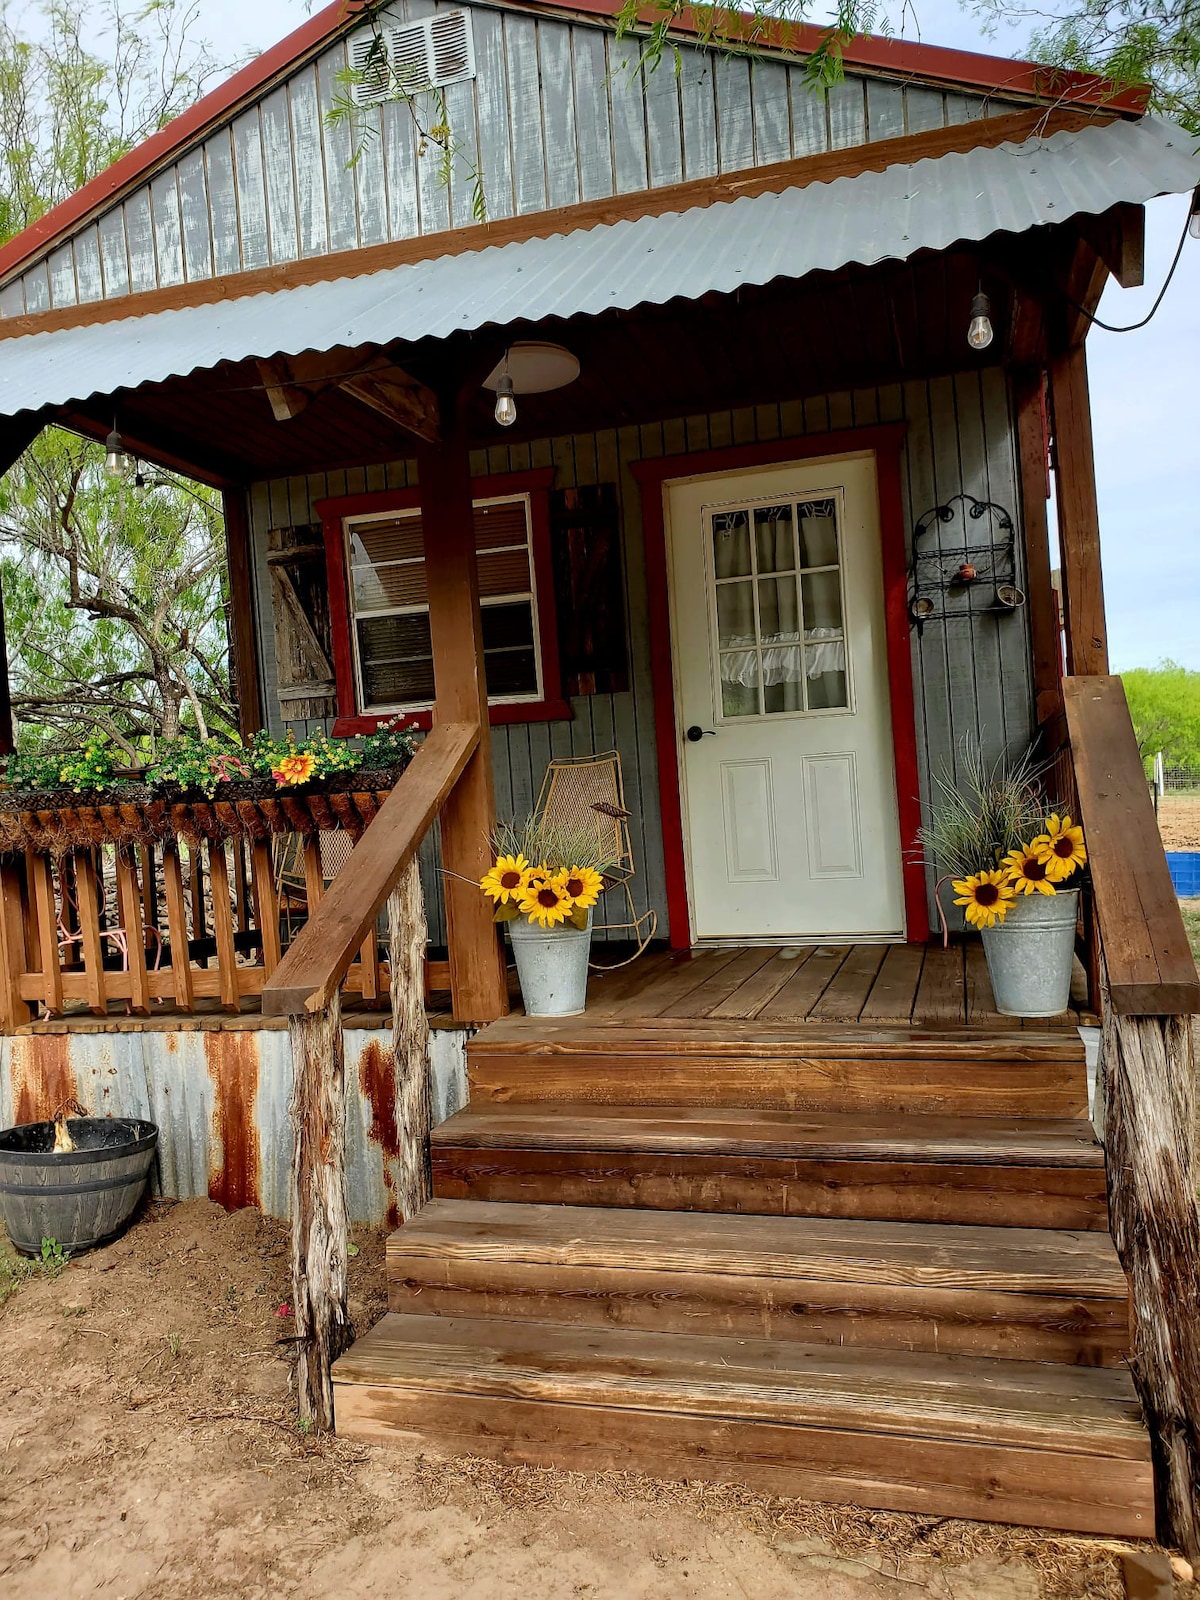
(351, 720)
(884, 440)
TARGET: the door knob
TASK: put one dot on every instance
(695, 733)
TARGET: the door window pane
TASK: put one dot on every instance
(731, 544)
(780, 632)
(774, 539)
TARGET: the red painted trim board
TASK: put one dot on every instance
(989, 74)
(885, 440)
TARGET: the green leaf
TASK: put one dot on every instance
(578, 918)
(509, 911)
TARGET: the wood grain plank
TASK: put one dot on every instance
(717, 985)
(176, 897)
(266, 903)
(846, 995)
(806, 986)
(980, 1002)
(41, 874)
(686, 975)
(129, 899)
(894, 992)
(940, 998)
(91, 945)
(754, 992)
(222, 914)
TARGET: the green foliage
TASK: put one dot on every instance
(92, 767)
(992, 809)
(204, 764)
(1164, 702)
(391, 742)
(1130, 42)
(16, 1270)
(53, 1254)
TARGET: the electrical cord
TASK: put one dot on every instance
(1132, 327)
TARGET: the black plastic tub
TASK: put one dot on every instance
(81, 1198)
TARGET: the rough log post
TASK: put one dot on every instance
(1029, 392)
(408, 936)
(1149, 1110)
(320, 1215)
(477, 974)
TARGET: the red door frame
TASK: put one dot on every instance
(885, 440)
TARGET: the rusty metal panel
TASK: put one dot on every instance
(220, 1098)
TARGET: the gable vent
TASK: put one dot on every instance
(429, 54)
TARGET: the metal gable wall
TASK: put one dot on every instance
(555, 116)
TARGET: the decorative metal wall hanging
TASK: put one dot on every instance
(954, 575)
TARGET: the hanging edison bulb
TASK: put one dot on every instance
(506, 405)
(979, 331)
(116, 457)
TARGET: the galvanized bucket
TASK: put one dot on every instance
(80, 1199)
(552, 964)
(1029, 954)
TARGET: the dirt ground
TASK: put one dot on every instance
(1179, 821)
(148, 1452)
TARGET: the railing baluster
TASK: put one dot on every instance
(13, 1009)
(196, 877)
(91, 944)
(227, 968)
(129, 900)
(266, 903)
(176, 897)
(41, 872)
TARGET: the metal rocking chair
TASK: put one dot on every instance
(580, 793)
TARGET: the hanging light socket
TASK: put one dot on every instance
(979, 330)
(1194, 214)
(116, 458)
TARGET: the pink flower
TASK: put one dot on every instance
(284, 1310)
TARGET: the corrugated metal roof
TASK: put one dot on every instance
(875, 216)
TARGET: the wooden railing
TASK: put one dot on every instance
(164, 922)
(1149, 995)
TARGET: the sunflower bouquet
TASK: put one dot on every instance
(993, 837)
(544, 875)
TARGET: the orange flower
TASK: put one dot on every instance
(293, 770)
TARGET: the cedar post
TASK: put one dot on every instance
(1078, 515)
(408, 935)
(241, 609)
(320, 1212)
(1029, 393)
(478, 981)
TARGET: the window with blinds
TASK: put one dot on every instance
(390, 610)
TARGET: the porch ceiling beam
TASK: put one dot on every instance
(163, 450)
(1119, 239)
(796, 173)
(369, 377)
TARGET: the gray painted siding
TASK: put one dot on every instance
(972, 678)
(558, 113)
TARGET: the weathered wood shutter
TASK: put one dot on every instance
(585, 533)
(300, 615)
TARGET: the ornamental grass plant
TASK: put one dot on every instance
(544, 873)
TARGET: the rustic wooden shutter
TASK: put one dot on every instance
(300, 614)
(589, 592)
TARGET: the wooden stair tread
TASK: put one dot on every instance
(905, 1254)
(1031, 1405)
(690, 1130)
(521, 1035)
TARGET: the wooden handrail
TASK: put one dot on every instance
(313, 968)
(1151, 970)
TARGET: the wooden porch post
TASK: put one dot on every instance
(1029, 394)
(241, 606)
(1078, 515)
(478, 980)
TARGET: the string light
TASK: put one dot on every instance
(979, 330)
(117, 461)
(506, 405)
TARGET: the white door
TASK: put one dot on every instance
(781, 699)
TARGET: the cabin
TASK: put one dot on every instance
(791, 1204)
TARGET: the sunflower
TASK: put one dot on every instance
(1060, 847)
(507, 880)
(583, 884)
(987, 897)
(1027, 872)
(546, 902)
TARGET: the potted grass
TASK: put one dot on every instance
(1012, 858)
(543, 883)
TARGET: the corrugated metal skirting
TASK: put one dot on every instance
(220, 1100)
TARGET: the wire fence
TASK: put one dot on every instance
(1177, 802)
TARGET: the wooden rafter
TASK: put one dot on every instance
(291, 382)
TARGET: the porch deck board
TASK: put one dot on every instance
(890, 985)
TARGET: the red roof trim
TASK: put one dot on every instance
(988, 74)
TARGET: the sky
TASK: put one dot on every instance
(1144, 383)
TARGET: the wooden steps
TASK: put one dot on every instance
(1013, 1441)
(719, 1062)
(1001, 1292)
(994, 1171)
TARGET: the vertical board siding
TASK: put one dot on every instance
(559, 111)
(972, 676)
